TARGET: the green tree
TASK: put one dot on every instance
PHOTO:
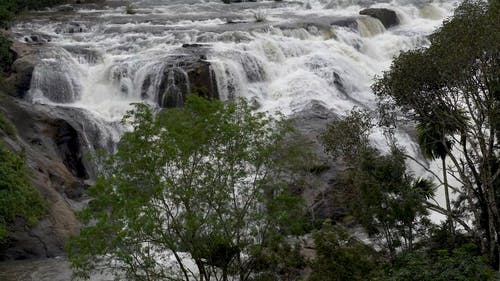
(340, 256)
(454, 86)
(432, 138)
(5, 54)
(381, 194)
(461, 264)
(201, 185)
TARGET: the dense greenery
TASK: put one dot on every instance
(341, 256)
(203, 184)
(452, 91)
(18, 199)
(6, 127)
(453, 95)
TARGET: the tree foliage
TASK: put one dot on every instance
(453, 89)
(191, 194)
(460, 264)
(340, 256)
(380, 192)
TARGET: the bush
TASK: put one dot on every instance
(341, 256)
(6, 127)
(202, 180)
(5, 54)
(462, 263)
(17, 197)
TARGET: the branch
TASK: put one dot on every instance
(442, 211)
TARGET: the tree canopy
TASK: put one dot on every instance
(191, 194)
(452, 90)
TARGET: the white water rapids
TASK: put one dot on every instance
(101, 59)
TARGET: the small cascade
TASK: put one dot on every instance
(369, 27)
(56, 78)
(431, 12)
(174, 88)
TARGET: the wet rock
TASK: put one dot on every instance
(323, 23)
(196, 78)
(65, 8)
(316, 191)
(389, 18)
(183, 74)
(22, 68)
(37, 39)
(54, 150)
(89, 55)
(69, 147)
(72, 27)
(337, 81)
(195, 45)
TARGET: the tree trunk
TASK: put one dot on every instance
(447, 195)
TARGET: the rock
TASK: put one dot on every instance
(65, 8)
(310, 123)
(69, 147)
(22, 69)
(186, 73)
(54, 150)
(389, 18)
(20, 78)
(196, 78)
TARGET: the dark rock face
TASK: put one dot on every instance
(184, 74)
(69, 146)
(54, 151)
(311, 123)
(22, 68)
(388, 17)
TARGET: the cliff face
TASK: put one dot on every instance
(54, 150)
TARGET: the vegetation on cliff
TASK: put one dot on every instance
(452, 91)
(18, 199)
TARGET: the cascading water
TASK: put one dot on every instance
(100, 59)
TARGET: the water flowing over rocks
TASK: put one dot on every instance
(79, 68)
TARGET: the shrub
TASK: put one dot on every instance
(6, 126)
(17, 197)
(5, 54)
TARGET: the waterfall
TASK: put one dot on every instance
(304, 52)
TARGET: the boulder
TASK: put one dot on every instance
(183, 74)
(179, 81)
(389, 18)
(32, 70)
(21, 71)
